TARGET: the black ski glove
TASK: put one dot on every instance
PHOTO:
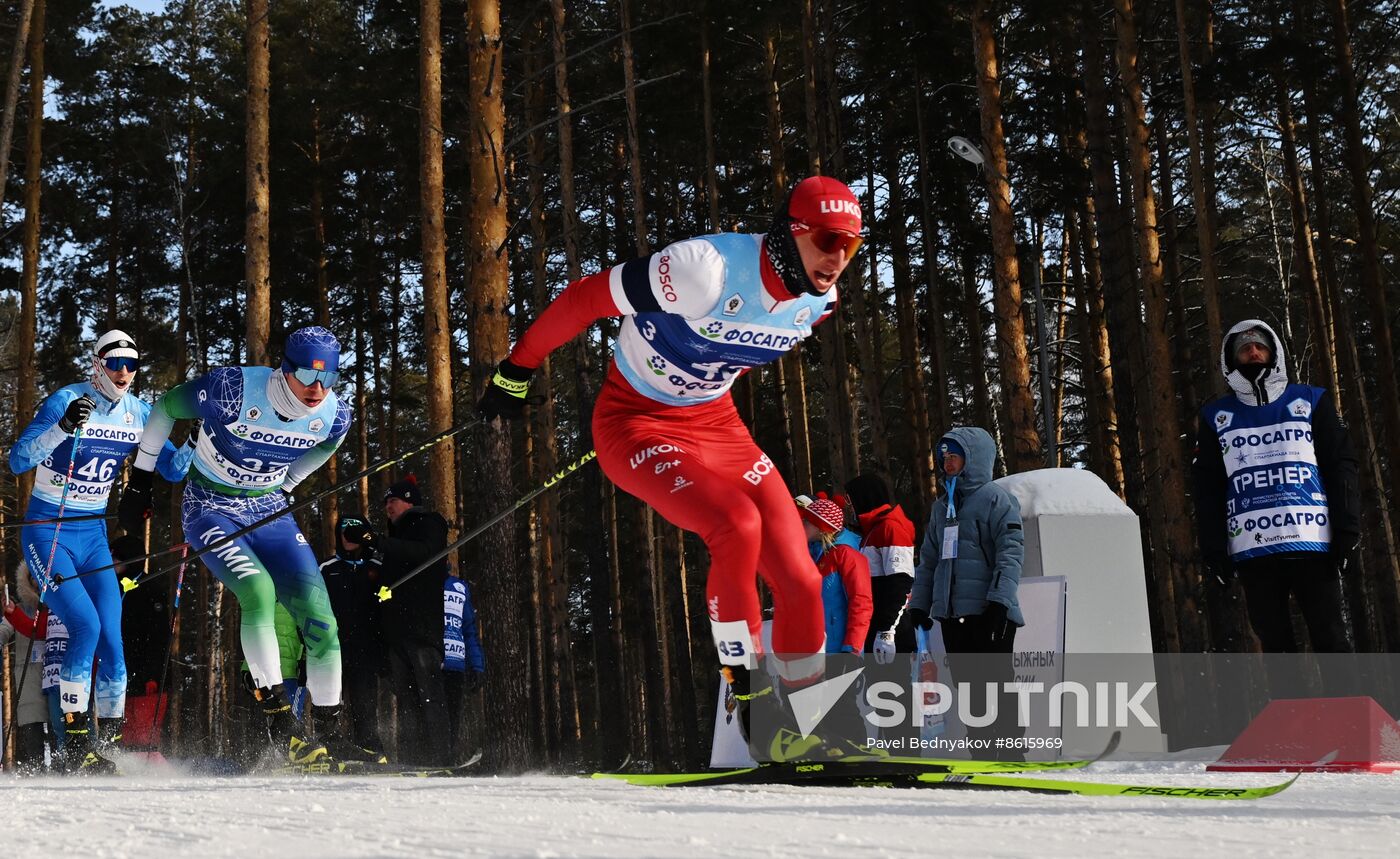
(998, 624)
(135, 507)
(1344, 546)
(358, 531)
(505, 396)
(193, 440)
(921, 619)
(76, 414)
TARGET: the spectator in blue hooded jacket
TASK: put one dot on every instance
(968, 573)
(463, 660)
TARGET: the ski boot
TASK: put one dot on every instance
(773, 734)
(80, 753)
(109, 733)
(764, 718)
(338, 746)
(287, 733)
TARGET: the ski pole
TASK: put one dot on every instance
(387, 593)
(369, 471)
(169, 645)
(44, 575)
(20, 523)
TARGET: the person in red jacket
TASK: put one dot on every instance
(695, 316)
(845, 572)
(887, 541)
(27, 661)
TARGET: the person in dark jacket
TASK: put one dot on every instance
(145, 617)
(887, 542)
(967, 579)
(1277, 497)
(353, 578)
(412, 621)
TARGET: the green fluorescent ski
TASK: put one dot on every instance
(848, 770)
(1089, 788)
(853, 775)
(361, 768)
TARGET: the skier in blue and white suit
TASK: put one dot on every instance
(113, 421)
(1277, 500)
(264, 431)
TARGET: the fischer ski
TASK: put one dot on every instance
(853, 769)
(826, 775)
(983, 781)
(368, 768)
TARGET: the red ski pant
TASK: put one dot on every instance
(699, 467)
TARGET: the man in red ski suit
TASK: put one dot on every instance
(696, 315)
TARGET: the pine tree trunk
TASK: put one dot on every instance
(1205, 205)
(7, 122)
(829, 335)
(658, 699)
(839, 325)
(977, 332)
(1303, 254)
(1116, 257)
(1372, 278)
(437, 335)
(1024, 449)
(507, 740)
(257, 263)
(940, 416)
(362, 408)
(707, 111)
(1096, 372)
(920, 451)
(607, 624)
(797, 458)
(1175, 537)
(1382, 559)
(1181, 344)
(29, 253)
(552, 549)
(331, 510)
(866, 320)
(1097, 355)
(634, 154)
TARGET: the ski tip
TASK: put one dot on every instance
(1327, 758)
(1113, 743)
(471, 761)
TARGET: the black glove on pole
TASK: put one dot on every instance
(135, 507)
(76, 414)
(505, 396)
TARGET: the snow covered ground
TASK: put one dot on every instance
(171, 815)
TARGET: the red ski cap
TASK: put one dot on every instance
(823, 203)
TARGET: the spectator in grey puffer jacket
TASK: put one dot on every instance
(968, 573)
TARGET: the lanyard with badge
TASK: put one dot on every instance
(950, 531)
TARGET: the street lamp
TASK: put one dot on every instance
(976, 154)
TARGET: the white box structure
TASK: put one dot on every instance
(1077, 528)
